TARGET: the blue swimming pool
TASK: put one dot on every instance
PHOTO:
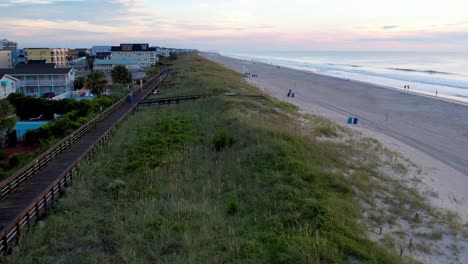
(23, 126)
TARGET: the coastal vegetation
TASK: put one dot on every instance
(96, 82)
(7, 120)
(120, 74)
(224, 179)
(73, 114)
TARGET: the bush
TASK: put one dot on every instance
(100, 101)
(3, 154)
(223, 140)
(14, 161)
(29, 107)
(31, 138)
(232, 207)
(12, 139)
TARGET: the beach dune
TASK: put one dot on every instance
(437, 128)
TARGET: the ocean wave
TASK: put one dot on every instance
(430, 78)
(427, 71)
(348, 65)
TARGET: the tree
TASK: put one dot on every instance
(172, 56)
(96, 82)
(79, 83)
(90, 62)
(120, 74)
(7, 120)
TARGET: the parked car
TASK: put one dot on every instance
(48, 95)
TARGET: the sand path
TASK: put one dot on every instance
(431, 132)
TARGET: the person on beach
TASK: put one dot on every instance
(405, 87)
(437, 92)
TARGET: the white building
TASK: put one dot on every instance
(140, 52)
(6, 61)
(7, 85)
(37, 79)
(6, 44)
(109, 65)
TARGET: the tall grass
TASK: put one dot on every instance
(162, 191)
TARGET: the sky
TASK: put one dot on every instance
(225, 25)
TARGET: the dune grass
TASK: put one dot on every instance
(219, 180)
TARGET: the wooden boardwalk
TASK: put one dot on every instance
(23, 205)
(189, 98)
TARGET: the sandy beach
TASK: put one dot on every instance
(431, 132)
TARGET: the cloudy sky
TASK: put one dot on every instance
(240, 24)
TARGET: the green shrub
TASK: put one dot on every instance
(31, 138)
(12, 139)
(14, 161)
(232, 206)
(29, 107)
(3, 155)
(223, 140)
(99, 102)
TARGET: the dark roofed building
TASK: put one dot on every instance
(133, 47)
(137, 51)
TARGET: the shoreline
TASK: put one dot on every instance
(442, 97)
(437, 174)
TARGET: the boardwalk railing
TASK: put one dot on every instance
(181, 99)
(14, 181)
(33, 212)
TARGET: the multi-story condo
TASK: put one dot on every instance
(37, 79)
(6, 61)
(57, 56)
(18, 57)
(6, 44)
(99, 49)
(140, 52)
(7, 85)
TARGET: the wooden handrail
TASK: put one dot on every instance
(8, 185)
(33, 212)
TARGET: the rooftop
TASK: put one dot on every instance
(26, 69)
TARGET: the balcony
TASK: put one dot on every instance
(41, 83)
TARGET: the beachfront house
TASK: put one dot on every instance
(109, 65)
(37, 79)
(7, 85)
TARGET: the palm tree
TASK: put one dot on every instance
(96, 82)
(79, 82)
(120, 74)
(7, 120)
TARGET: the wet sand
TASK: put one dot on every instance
(431, 132)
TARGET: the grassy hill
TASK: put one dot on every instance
(223, 179)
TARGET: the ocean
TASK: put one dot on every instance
(428, 72)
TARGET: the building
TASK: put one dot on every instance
(99, 49)
(6, 44)
(78, 64)
(77, 53)
(7, 85)
(108, 65)
(57, 56)
(141, 52)
(18, 57)
(6, 61)
(37, 79)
